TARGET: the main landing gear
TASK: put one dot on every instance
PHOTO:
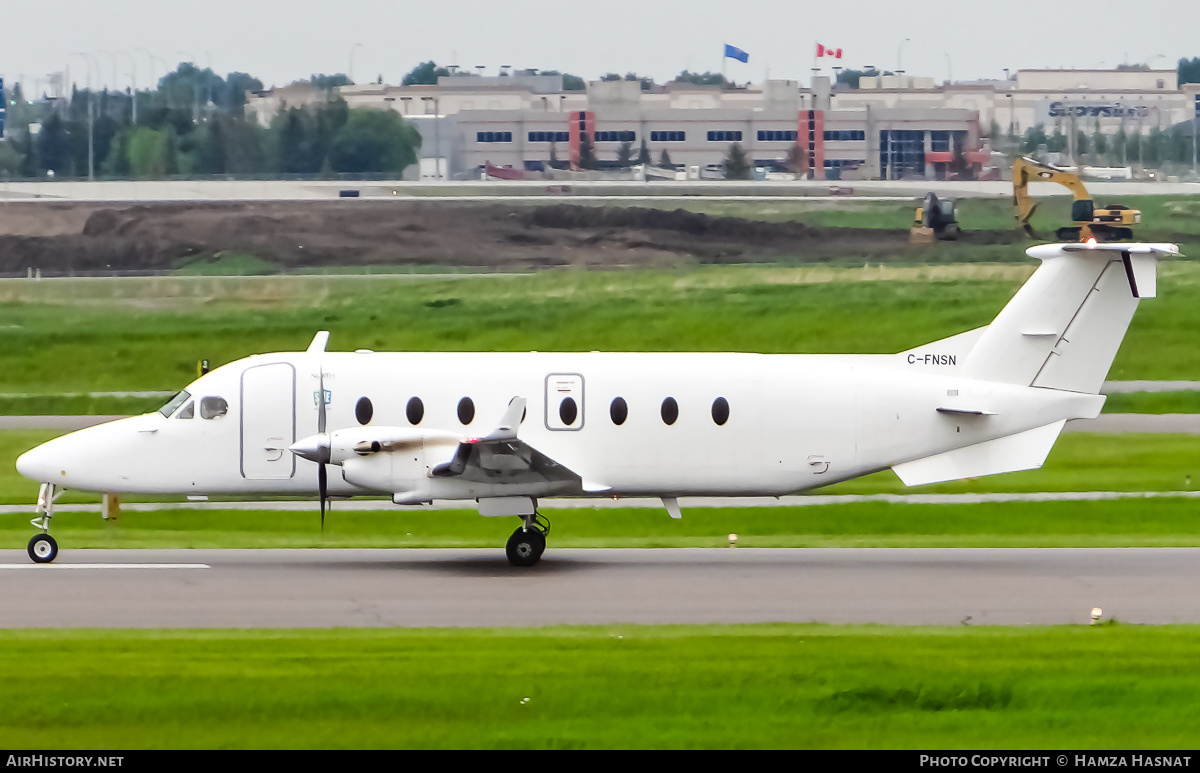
(43, 548)
(527, 543)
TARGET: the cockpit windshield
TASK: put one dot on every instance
(174, 403)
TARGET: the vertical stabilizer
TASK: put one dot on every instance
(1063, 327)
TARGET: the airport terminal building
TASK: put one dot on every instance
(890, 127)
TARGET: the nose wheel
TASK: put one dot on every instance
(43, 549)
(527, 543)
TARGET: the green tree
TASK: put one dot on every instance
(331, 82)
(236, 86)
(375, 141)
(1188, 70)
(147, 153)
(587, 152)
(625, 154)
(644, 153)
(1035, 136)
(424, 74)
(851, 78)
(665, 160)
(570, 82)
(702, 79)
(11, 161)
(737, 166)
(797, 161)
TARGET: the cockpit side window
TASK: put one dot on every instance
(213, 407)
(176, 401)
(188, 411)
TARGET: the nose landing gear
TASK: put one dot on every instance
(43, 548)
(527, 543)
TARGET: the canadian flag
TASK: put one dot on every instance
(836, 53)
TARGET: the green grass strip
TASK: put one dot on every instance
(754, 686)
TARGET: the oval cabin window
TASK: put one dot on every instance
(618, 411)
(363, 411)
(720, 411)
(670, 411)
(568, 411)
(466, 410)
(415, 411)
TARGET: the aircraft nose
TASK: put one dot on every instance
(36, 464)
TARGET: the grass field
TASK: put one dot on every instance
(98, 335)
(757, 686)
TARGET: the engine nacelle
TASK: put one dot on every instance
(391, 459)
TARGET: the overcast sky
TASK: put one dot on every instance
(284, 40)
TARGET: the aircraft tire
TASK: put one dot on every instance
(43, 549)
(525, 547)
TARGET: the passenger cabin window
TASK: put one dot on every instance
(670, 411)
(174, 403)
(213, 407)
(720, 411)
(568, 411)
(466, 410)
(188, 411)
(363, 410)
(618, 411)
(415, 411)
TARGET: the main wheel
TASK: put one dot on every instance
(525, 547)
(43, 549)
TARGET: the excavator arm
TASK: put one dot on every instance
(1025, 171)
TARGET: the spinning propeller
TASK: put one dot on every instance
(316, 448)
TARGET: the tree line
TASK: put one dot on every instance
(191, 125)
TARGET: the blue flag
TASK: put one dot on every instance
(736, 53)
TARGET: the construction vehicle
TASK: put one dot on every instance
(934, 220)
(1110, 224)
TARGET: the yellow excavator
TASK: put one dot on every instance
(1110, 224)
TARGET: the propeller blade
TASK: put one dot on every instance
(321, 403)
(322, 488)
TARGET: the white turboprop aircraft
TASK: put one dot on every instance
(505, 429)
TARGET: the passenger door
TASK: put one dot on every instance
(268, 403)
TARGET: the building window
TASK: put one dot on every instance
(729, 136)
(493, 136)
(668, 136)
(777, 136)
(549, 137)
(615, 136)
(839, 135)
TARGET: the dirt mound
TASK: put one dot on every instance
(63, 238)
(681, 221)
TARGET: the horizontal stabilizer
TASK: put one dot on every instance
(1022, 451)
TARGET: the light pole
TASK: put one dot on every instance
(132, 84)
(191, 60)
(949, 70)
(87, 58)
(350, 71)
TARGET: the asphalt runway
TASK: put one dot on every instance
(452, 588)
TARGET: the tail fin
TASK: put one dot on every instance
(1063, 327)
